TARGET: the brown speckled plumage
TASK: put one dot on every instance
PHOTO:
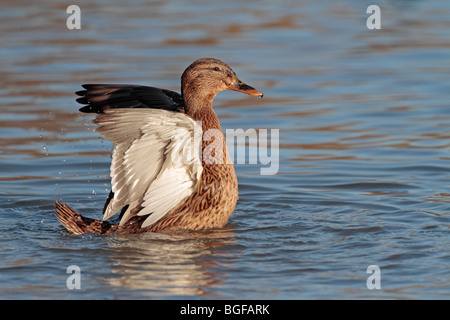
(214, 198)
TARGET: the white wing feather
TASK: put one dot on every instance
(155, 162)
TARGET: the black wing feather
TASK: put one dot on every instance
(99, 97)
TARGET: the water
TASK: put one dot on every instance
(364, 165)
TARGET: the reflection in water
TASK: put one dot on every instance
(167, 264)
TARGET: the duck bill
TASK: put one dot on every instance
(238, 85)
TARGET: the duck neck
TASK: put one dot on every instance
(198, 105)
(214, 147)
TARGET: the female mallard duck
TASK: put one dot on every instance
(158, 180)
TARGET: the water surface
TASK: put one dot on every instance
(364, 164)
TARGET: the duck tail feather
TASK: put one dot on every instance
(77, 224)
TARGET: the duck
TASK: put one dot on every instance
(170, 166)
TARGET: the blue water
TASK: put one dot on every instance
(363, 118)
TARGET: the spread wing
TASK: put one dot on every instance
(155, 161)
(99, 97)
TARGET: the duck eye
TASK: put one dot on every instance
(216, 69)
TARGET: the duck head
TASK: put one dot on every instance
(206, 77)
